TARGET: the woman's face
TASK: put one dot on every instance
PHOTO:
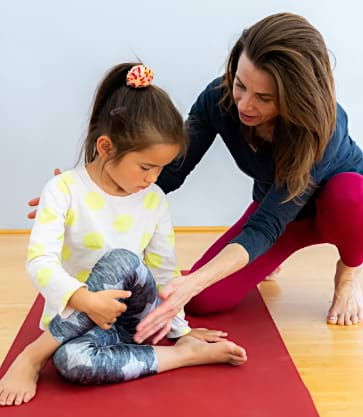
(254, 94)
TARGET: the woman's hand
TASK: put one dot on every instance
(175, 295)
(208, 335)
(35, 201)
(102, 307)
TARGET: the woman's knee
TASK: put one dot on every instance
(340, 214)
(344, 189)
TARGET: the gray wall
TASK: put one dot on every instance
(53, 54)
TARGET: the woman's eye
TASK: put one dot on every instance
(145, 168)
(264, 99)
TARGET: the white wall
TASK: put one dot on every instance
(53, 54)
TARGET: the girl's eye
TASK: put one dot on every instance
(145, 168)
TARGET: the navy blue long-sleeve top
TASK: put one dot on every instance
(268, 222)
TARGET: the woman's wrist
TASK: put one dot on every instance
(232, 258)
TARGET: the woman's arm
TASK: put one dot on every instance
(200, 133)
(178, 292)
(160, 257)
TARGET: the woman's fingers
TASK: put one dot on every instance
(34, 202)
(165, 328)
(152, 324)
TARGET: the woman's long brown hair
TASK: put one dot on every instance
(294, 53)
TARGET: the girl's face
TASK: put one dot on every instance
(137, 170)
(254, 94)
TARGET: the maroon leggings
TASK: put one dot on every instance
(338, 220)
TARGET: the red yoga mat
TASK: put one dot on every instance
(268, 385)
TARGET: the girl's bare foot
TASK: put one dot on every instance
(19, 383)
(347, 306)
(201, 353)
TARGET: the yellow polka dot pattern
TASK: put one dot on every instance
(171, 238)
(145, 240)
(123, 222)
(66, 297)
(176, 272)
(70, 218)
(44, 275)
(68, 178)
(61, 237)
(151, 200)
(35, 250)
(46, 319)
(93, 241)
(66, 253)
(94, 201)
(83, 275)
(62, 186)
(153, 260)
(47, 215)
(185, 331)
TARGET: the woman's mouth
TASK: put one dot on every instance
(245, 117)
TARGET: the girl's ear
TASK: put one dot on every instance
(104, 147)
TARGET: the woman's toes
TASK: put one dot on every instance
(341, 319)
(332, 318)
(355, 319)
(348, 320)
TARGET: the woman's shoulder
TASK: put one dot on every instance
(214, 90)
(208, 104)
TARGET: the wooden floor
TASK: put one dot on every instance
(329, 358)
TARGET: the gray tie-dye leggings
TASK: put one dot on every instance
(90, 355)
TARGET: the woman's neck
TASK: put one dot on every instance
(266, 130)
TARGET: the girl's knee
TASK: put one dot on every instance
(122, 257)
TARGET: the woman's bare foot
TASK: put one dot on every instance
(202, 353)
(274, 274)
(347, 306)
(19, 383)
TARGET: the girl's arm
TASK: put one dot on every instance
(46, 247)
(64, 293)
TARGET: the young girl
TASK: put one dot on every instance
(94, 226)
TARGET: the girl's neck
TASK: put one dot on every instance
(100, 177)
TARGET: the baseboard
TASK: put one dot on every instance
(178, 229)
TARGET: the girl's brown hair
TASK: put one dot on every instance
(294, 53)
(133, 118)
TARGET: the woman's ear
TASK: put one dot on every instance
(104, 146)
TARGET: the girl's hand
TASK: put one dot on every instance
(102, 307)
(35, 201)
(208, 335)
(175, 295)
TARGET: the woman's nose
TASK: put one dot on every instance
(245, 103)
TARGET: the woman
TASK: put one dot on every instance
(275, 110)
